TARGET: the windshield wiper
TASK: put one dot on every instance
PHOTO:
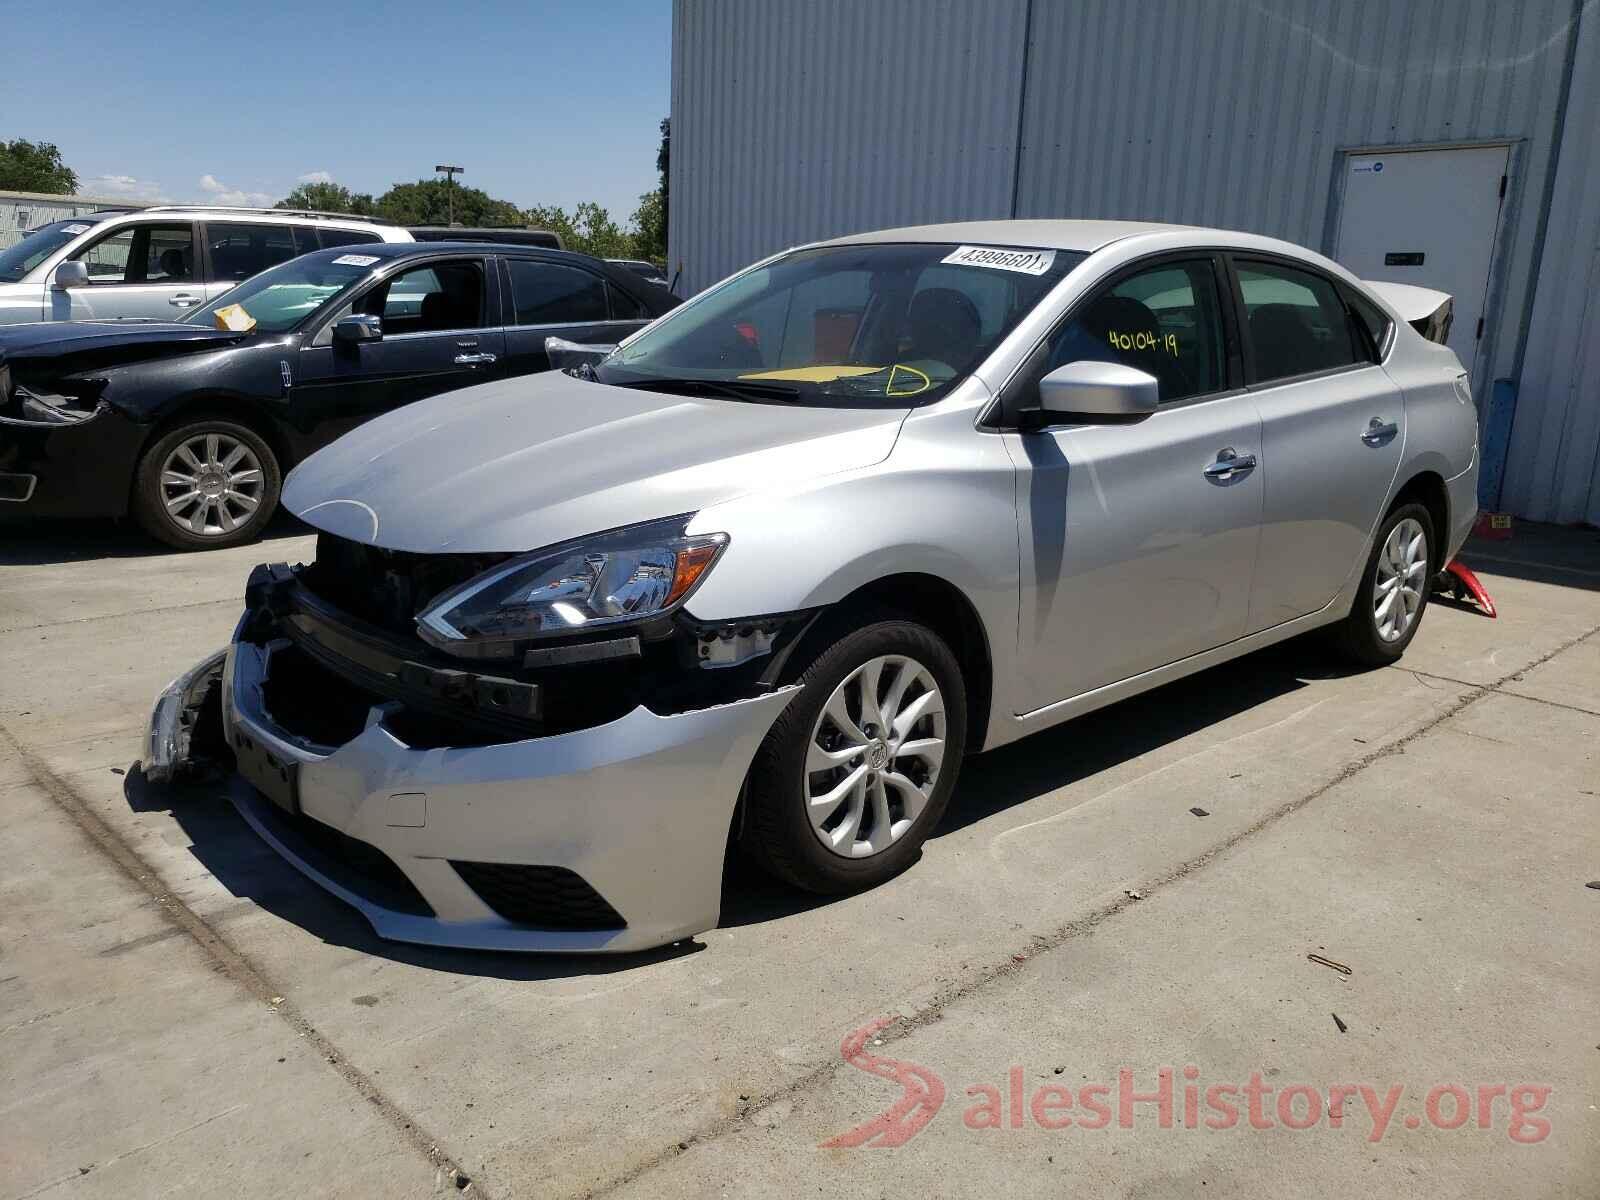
(728, 389)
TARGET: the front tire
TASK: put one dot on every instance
(1394, 589)
(206, 484)
(858, 770)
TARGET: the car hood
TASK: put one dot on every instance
(523, 463)
(50, 339)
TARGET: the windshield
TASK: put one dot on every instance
(890, 325)
(16, 261)
(280, 298)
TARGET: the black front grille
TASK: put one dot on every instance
(539, 897)
(387, 588)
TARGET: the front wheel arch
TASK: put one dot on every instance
(929, 600)
(236, 410)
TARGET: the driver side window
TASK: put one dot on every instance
(439, 297)
(146, 253)
(1165, 320)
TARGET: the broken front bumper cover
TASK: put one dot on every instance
(638, 809)
(172, 724)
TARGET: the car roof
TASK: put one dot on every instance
(394, 250)
(219, 214)
(1046, 234)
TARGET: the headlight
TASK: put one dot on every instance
(613, 579)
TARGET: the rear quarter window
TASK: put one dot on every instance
(345, 237)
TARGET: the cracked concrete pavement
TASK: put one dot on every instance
(181, 1013)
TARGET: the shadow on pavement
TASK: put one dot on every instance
(991, 783)
(35, 542)
(1564, 556)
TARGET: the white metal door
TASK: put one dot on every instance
(1426, 217)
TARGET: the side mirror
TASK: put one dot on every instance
(565, 355)
(70, 275)
(357, 328)
(1098, 393)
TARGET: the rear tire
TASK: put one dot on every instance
(206, 484)
(891, 761)
(1393, 595)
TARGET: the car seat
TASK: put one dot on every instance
(455, 307)
(944, 325)
(173, 264)
(1123, 330)
(1286, 344)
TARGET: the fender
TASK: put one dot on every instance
(945, 507)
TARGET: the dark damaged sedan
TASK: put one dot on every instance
(192, 426)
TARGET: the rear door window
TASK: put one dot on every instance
(545, 293)
(623, 306)
(240, 251)
(1372, 325)
(1295, 321)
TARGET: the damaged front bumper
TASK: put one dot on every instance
(602, 839)
(60, 461)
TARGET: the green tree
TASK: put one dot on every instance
(427, 202)
(664, 170)
(588, 229)
(650, 227)
(329, 197)
(35, 167)
(554, 218)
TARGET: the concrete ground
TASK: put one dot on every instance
(182, 1014)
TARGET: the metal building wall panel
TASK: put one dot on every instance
(1553, 470)
(792, 122)
(800, 121)
(1233, 113)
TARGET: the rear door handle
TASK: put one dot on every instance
(1230, 464)
(183, 300)
(1379, 431)
(474, 360)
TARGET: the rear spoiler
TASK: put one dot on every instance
(1426, 311)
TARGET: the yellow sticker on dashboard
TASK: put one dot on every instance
(233, 317)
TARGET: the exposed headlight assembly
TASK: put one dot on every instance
(619, 578)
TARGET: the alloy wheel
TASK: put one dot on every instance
(874, 756)
(211, 484)
(1401, 579)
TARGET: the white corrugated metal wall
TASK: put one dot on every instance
(793, 122)
(798, 121)
(1553, 472)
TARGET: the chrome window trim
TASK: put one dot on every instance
(638, 321)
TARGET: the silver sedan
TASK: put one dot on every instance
(768, 572)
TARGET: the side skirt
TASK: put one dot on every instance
(1014, 727)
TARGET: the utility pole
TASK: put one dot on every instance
(449, 174)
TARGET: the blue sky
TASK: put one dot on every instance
(543, 103)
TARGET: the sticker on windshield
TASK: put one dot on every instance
(75, 229)
(355, 260)
(1026, 262)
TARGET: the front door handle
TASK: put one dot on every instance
(183, 300)
(1230, 465)
(1379, 431)
(474, 360)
